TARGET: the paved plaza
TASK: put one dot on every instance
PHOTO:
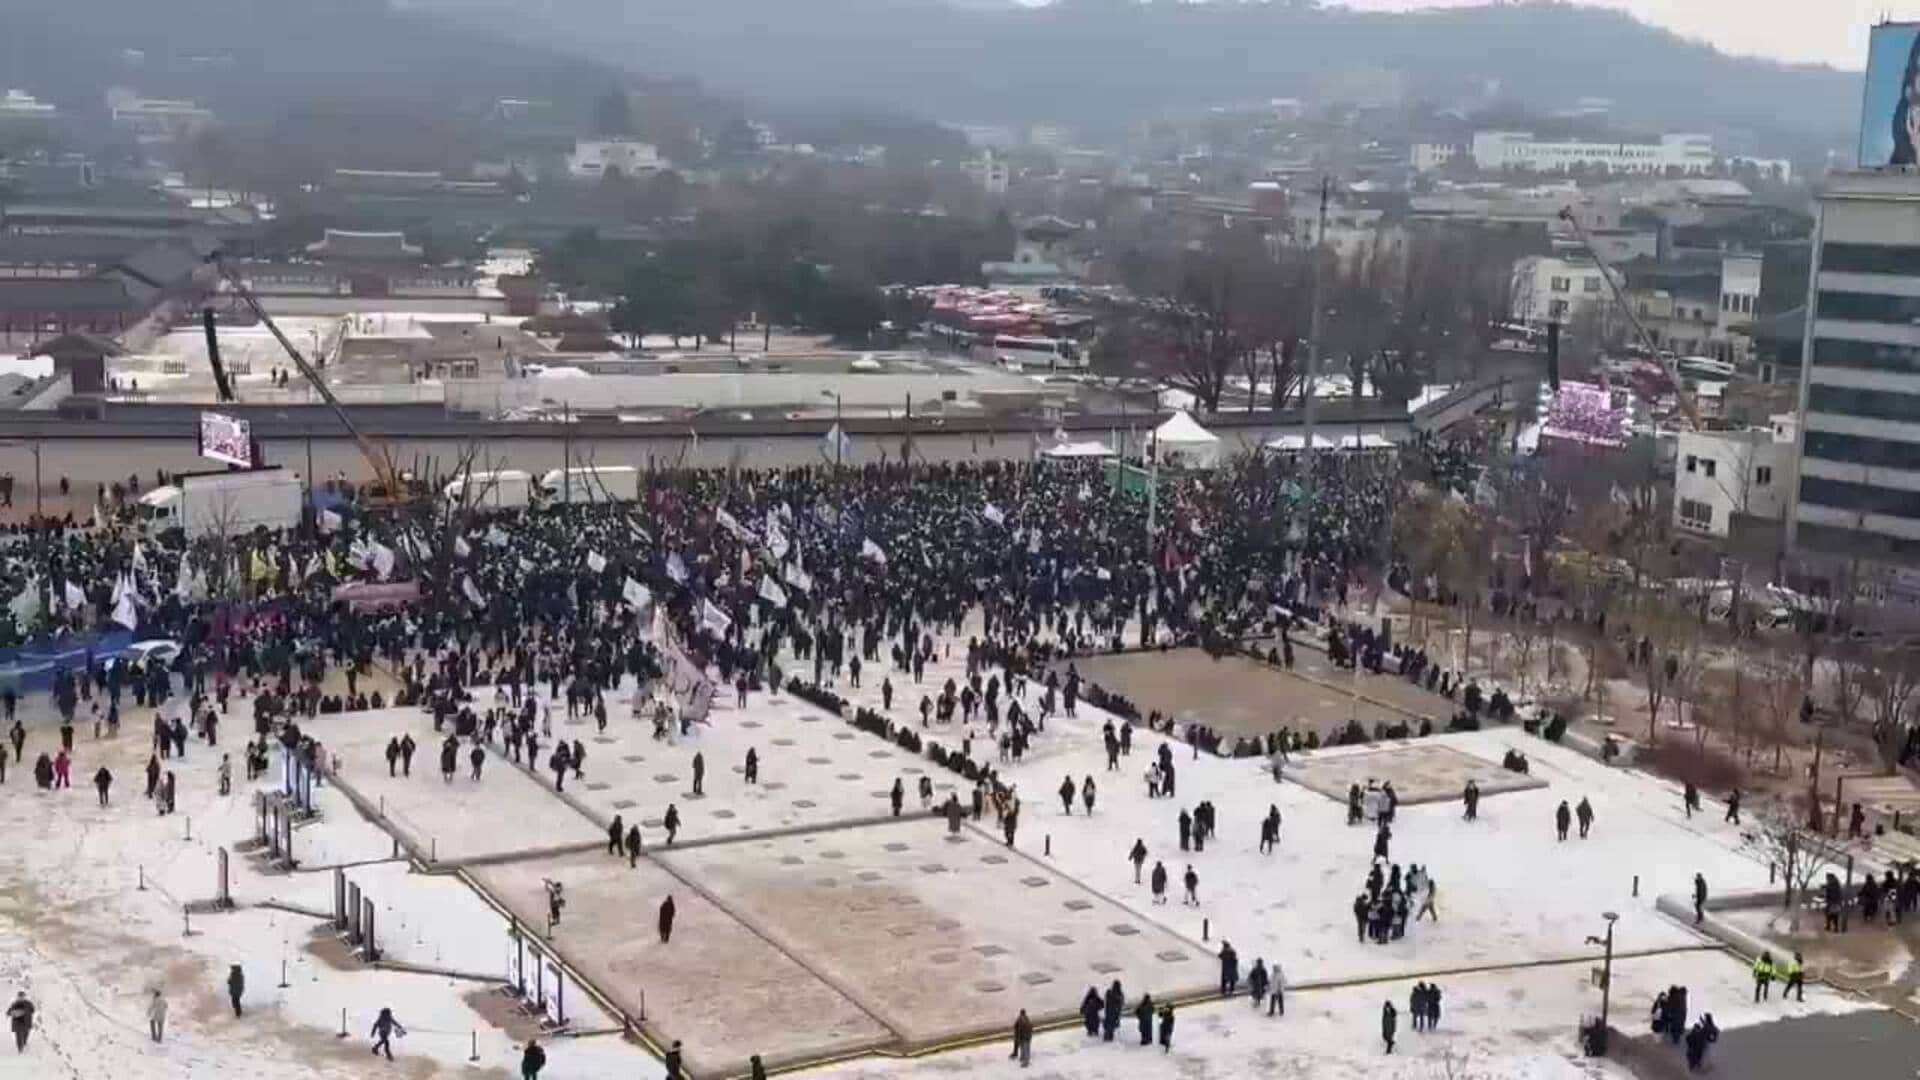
(1420, 772)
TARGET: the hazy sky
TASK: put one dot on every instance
(1828, 31)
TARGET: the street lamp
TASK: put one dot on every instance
(1597, 1045)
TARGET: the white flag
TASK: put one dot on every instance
(26, 603)
(74, 597)
(330, 521)
(382, 560)
(838, 445)
(596, 562)
(460, 548)
(473, 592)
(776, 540)
(677, 568)
(526, 566)
(729, 522)
(871, 550)
(771, 592)
(124, 612)
(139, 558)
(715, 620)
(639, 534)
(1033, 542)
(496, 536)
(799, 579)
(992, 513)
(636, 595)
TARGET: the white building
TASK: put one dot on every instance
(989, 172)
(594, 158)
(158, 119)
(1430, 156)
(1550, 288)
(1351, 231)
(20, 105)
(1739, 292)
(1721, 475)
(1519, 150)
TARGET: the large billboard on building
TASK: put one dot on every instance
(1890, 104)
(226, 438)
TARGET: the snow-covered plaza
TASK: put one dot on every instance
(812, 926)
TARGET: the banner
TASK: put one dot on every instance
(1889, 119)
(871, 550)
(473, 592)
(992, 513)
(383, 560)
(677, 568)
(776, 540)
(367, 596)
(596, 562)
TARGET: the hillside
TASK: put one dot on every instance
(1093, 61)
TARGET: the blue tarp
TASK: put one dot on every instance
(32, 666)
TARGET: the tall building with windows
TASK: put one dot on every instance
(1858, 493)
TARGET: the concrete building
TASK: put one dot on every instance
(1720, 477)
(1739, 297)
(1519, 150)
(22, 114)
(1859, 485)
(1550, 288)
(1430, 156)
(158, 120)
(991, 173)
(594, 158)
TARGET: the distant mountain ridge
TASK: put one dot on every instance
(1100, 61)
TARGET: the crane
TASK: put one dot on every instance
(385, 475)
(1680, 392)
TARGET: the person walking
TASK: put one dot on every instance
(1389, 1023)
(1699, 899)
(1143, 1016)
(1796, 974)
(1277, 993)
(699, 774)
(102, 780)
(1158, 881)
(1138, 857)
(156, 1015)
(236, 985)
(674, 1056)
(1584, 813)
(1562, 820)
(385, 1027)
(1022, 1041)
(666, 920)
(1166, 1028)
(532, 1060)
(1192, 881)
(20, 1019)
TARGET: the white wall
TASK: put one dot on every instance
(1738, 472)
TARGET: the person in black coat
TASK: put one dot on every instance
(532, 1060)
(616, 834)
(1166, 1028)
(666, 920)
(673, 1062)
(1090, 1011)
(1229, 969)
(1143, 1015)
(758, 1071)
(633, 844)
(1389, 1023)
(1116, 1001)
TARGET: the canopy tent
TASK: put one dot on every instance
(1072, 450)
(1347, 443)
(1183, 440)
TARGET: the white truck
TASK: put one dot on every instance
(504, 489)
(592, 484)
(229, 503)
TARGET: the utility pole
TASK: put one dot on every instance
(1313, 336)
(1599, 1046)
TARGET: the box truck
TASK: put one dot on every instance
(230, 503)
(506, 489)
(592, 484)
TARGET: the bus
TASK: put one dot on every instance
(1008, 350)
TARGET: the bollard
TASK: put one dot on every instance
(343, 1025)
(186, 922)
(1206, 927)
(383, 806)
(396, 846)
(1049, 851)
(1636, 884)
(143, 877)
(283, 973)
(189, 826)
(1771, 872)
(433, 849)
(643, 1006)
(475, 1055)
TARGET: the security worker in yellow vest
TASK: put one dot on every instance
(1795, 972)
(1762, 976)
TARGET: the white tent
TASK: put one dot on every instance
(1072, 450)
(1293, 444)
(1346, 442)
(1182, 440)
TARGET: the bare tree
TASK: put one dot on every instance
(1893, 692)
(1781, 835)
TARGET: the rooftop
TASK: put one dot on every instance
(343, 244)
